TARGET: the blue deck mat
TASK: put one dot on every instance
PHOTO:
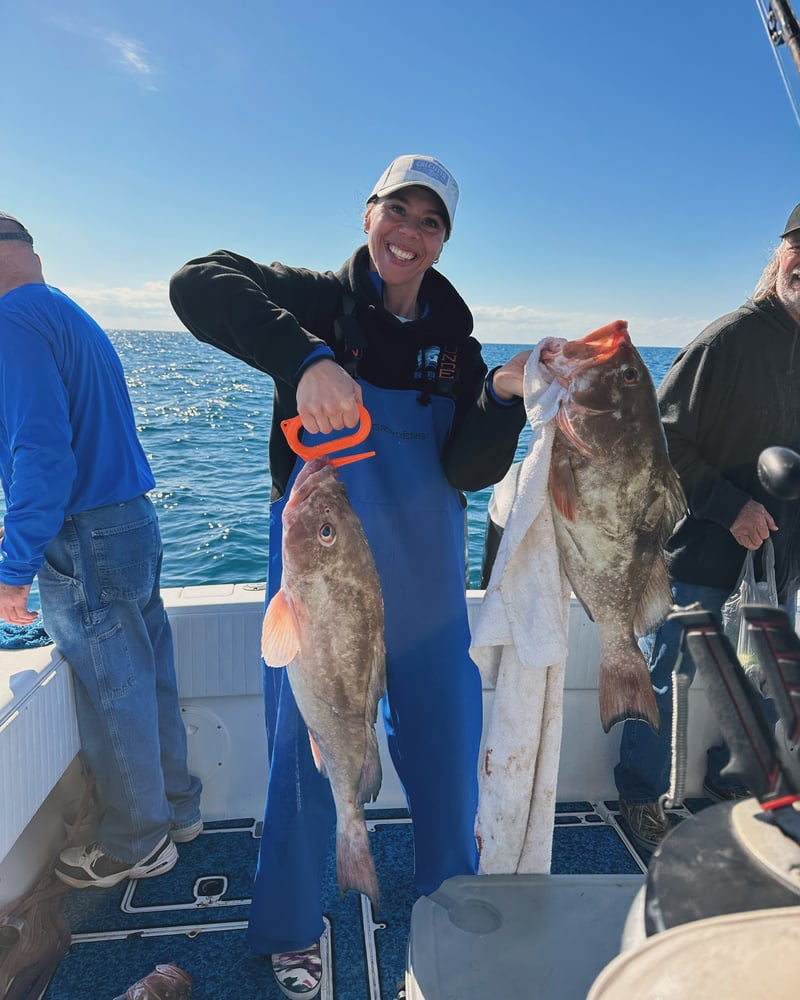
(162, 921)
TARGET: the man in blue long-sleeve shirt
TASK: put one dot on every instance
(75, 480)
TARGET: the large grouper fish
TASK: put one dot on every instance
(615, 499)
(326, 625)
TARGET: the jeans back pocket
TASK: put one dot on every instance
(127, 557)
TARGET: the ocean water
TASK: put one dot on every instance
(203, 419)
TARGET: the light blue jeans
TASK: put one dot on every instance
(102, 607)
(642, 774)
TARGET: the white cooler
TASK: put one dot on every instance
(546, 937)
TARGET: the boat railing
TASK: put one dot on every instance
(216, 633)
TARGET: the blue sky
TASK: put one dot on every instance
(616, 160)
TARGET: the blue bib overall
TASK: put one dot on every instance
(414, 521)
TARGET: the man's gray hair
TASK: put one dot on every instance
(767, 283)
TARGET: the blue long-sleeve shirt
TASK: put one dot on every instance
(68, 439)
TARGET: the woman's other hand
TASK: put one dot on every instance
(508, 380)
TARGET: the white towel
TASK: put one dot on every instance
(522, 624)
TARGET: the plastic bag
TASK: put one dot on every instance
(750, 591)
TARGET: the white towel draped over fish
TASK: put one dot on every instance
(519, 643)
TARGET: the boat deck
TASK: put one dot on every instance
(196, 915)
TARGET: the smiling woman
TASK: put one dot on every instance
(409, 216)
(389, 333)
(406, 233)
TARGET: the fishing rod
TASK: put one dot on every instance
(781, 25)
(784, 29)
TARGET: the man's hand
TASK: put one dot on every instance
(753, 525)
(327, 398)
(14, 604)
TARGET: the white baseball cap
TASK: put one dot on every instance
(415, 170)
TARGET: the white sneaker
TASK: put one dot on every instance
(90, 865)
(185, 834)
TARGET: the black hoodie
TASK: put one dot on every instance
(276, 317)
(733, 391)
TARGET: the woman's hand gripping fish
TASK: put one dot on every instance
(615, 499)
(326, 624)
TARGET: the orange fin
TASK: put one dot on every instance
(562, 486)
(317, 755)
(280, 639)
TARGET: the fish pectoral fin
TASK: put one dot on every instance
(667, 505)
(583, 604)
(675, 506)
(280, 636)
(369, 784)
(656, 600)
(376, 688)
(562, 486)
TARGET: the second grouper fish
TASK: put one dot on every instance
(616, 499)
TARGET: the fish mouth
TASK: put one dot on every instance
(600, 345)
(314, 474)
(564, 361)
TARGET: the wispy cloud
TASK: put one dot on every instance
(119, 308)
(148, 308)
(526, 325)
(128, 53)
(132, 55)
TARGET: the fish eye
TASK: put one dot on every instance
(327, 533)
(630, 376)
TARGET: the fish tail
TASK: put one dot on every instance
(626, 693)
(355, 868)
(371, 773)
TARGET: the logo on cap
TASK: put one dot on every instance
(432, 169)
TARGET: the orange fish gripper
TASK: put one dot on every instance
(292, 427)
